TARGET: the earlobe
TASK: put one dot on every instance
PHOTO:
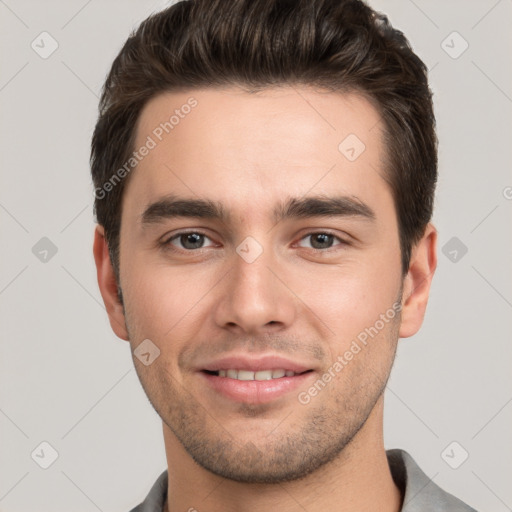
(417, 282)
(108, 284)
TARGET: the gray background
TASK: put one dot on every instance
(67, 380)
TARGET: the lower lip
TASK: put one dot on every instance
(255, 391)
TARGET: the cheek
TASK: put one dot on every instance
(350, 298)
(161, 301)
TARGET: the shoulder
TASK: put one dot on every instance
(420, 493)
(154, 501)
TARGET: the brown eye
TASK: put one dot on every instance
(189, 241)
(320, 240)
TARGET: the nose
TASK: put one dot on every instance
(254, 299)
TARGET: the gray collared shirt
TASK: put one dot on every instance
(420, 493)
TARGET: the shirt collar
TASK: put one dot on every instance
(420, 493)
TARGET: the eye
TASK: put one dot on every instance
(320, 240)
(189, 241)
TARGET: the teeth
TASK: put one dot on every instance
(259, 375)
(263, 375)
(245, 375)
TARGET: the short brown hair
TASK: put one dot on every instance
(338, 45)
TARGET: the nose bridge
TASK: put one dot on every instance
(254, 299)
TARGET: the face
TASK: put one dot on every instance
(259, 253)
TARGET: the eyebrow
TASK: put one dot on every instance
(304, 207)
(323, 206)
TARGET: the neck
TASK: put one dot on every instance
(358, 479)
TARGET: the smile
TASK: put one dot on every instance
(254, 375)
(254, 387)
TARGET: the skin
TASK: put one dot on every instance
(251, 152)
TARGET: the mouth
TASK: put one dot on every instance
(241, 385)
(248, 375)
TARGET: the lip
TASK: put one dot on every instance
(268, 362)
(255, 391)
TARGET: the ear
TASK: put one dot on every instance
(108, 285)
(417, 282)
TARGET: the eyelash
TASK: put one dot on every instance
(167, 242)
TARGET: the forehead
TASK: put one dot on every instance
(248, 149)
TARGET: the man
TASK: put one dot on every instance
(264, 174)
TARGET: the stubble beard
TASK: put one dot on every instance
(311, 437)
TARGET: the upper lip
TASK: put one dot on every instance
(268, 362)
